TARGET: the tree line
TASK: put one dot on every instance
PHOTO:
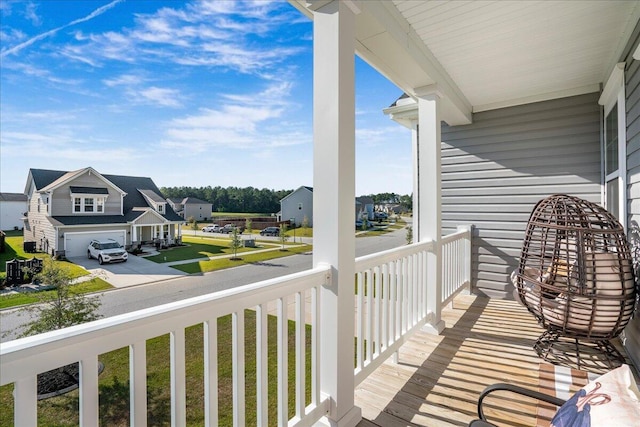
(232, 199)
(404, 200)
(254, 200)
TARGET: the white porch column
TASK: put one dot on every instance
(333, 200)
(429, 200)
(134, 234)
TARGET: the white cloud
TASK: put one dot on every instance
(222, 34)
(31, 15)
(161, 96)
(243, 122)
(99, 11)
(123, 80)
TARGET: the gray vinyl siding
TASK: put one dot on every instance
(63, 205)
(496, 169)
(199, 211)
(631, 336)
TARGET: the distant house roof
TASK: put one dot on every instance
(88, 190)
(395, 103)
(194, 201)
(13, 197)
(175, 200)
(128, 184)
(296, 190)
(365, 200)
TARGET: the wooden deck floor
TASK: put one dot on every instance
(438, 378)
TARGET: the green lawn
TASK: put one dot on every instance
(198, 247)
(13, 249)
(114, 381)
(14, 300)
(220, 264)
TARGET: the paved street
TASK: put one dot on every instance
(125, 300)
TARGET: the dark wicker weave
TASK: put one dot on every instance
(575, 273)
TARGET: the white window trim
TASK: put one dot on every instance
(95, 204)
(614, 94)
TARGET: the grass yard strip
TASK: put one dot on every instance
(90, 286)
(196, 248)
(219, 264)
(114, 381)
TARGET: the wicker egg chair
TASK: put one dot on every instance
(575, 276)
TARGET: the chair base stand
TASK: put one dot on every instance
(594, 356)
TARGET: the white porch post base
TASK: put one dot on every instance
(350, 419)
(434, 328)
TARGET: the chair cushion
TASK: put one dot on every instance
(610, 400)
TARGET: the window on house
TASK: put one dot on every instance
(614, 145)
(88, 204)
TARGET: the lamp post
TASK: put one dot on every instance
(292, 221)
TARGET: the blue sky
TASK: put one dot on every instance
(188, 93)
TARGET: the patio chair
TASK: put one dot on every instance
(576, 276)
(612, 399)
(482, 422)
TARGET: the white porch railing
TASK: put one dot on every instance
(390, 304)
(456, 263)
(391, 295)
(23, 359)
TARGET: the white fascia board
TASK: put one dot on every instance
(614, 83)
(616, 54)
(636, 54)
(537, 98)
(398, 28)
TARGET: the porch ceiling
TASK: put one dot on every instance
(489, 54)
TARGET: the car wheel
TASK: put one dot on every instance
(89, 254)
(100, 260)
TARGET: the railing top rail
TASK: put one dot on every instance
(372, 260)
(454, 236)
(57, 348)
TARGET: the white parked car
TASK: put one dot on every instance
(213, 228)
(106, 251)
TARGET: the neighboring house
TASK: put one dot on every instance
(68, 209)
(191, 207)
(297, 205)
(12, 209)
(364, 208)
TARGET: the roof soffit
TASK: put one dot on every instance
(485, 55)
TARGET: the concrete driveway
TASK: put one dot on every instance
(136, 271)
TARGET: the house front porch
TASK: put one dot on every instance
(436, 380)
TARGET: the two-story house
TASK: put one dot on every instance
(66, 210)
(191, 207)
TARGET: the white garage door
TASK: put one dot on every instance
(75, 244)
